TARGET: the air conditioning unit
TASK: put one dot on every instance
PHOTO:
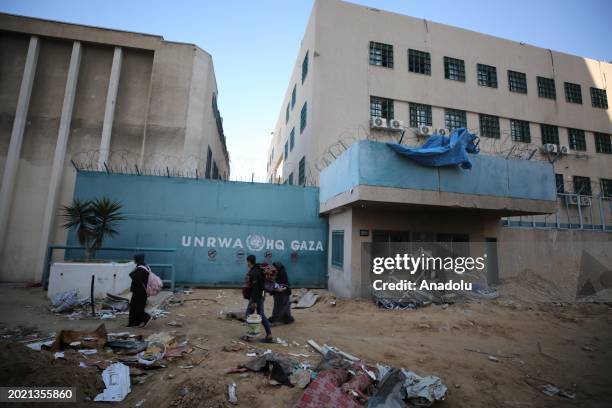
(572, 199)
(378, 123)
(443, 132)
(395, 124)
(550, 148)
(424, 130)
(564, 149)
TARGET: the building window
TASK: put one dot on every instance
(487, 75)
(381, 54)
(293, 95)
(381, 107)
(454, 118)
(599, 98)
(454, 69)
(305, 67)
(517, 82)
(519, 130)
(559, 183)
(573, 93)
(292, 139)
(550, 134)
(290, 179)
(303, 115)
(489, 126)
(546, 88)
(603, 143)
(582, 185)
(420, 115)
(208, 163)
(215, 174)
(606, 188)
(576, 139)
(286, 150)
(337, 252)
(302, 172)
(419, 62)
(287, 115)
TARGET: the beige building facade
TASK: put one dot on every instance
(362, 63)
(78, 97)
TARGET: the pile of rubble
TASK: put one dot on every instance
(339, 379)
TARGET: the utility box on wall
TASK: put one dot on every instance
(214, 225)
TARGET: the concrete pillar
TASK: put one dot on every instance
(14, 151)
(60, 153)
(109, 111)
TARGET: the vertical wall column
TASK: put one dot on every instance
(109, 111)
(14, 151)
(60, 154)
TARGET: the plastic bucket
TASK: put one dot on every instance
(253, 324)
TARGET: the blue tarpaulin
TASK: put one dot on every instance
(439, 151)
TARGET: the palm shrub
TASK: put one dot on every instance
(93, 220)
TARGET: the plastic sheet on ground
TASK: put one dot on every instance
(117, 381)
(306, 301)
(115, 303)
(439, 151)
(400, 385)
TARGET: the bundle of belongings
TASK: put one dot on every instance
(439, 151)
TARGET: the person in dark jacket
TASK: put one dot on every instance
(282, 303)
(255, 279)
(140, 278)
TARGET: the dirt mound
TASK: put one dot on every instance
(530, 287)
(25, 367)
(199, 392)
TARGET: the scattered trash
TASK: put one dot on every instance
(107, 316)
(59, 354)
(300, 378)
(251, 354)
(186, 366)
(174, 323)
(127, 346)
(39, 345)
(115, 303)
(423, 391)
(90, 340)
(281, 342)
(117, 381)
(87, 352)
(231, 391)
(493, 358)
(140, 403)
(65, 301)
(155, 352)
(179, 350)
(552, 390)
(280, 367)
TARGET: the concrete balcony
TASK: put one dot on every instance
(371, 173)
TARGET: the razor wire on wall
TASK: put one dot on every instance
(129, 162)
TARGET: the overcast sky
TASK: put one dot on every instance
(254, 43)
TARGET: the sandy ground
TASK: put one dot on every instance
(566, 345)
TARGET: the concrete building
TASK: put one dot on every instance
(527, 104)
(74, 96)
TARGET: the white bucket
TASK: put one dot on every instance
(253, 324)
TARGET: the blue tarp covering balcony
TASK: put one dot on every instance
(494, 182)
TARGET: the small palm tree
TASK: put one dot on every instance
(79, 215)
(94, 220)
(107, 215)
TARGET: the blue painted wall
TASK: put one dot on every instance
(215, 224)
(375, 164)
